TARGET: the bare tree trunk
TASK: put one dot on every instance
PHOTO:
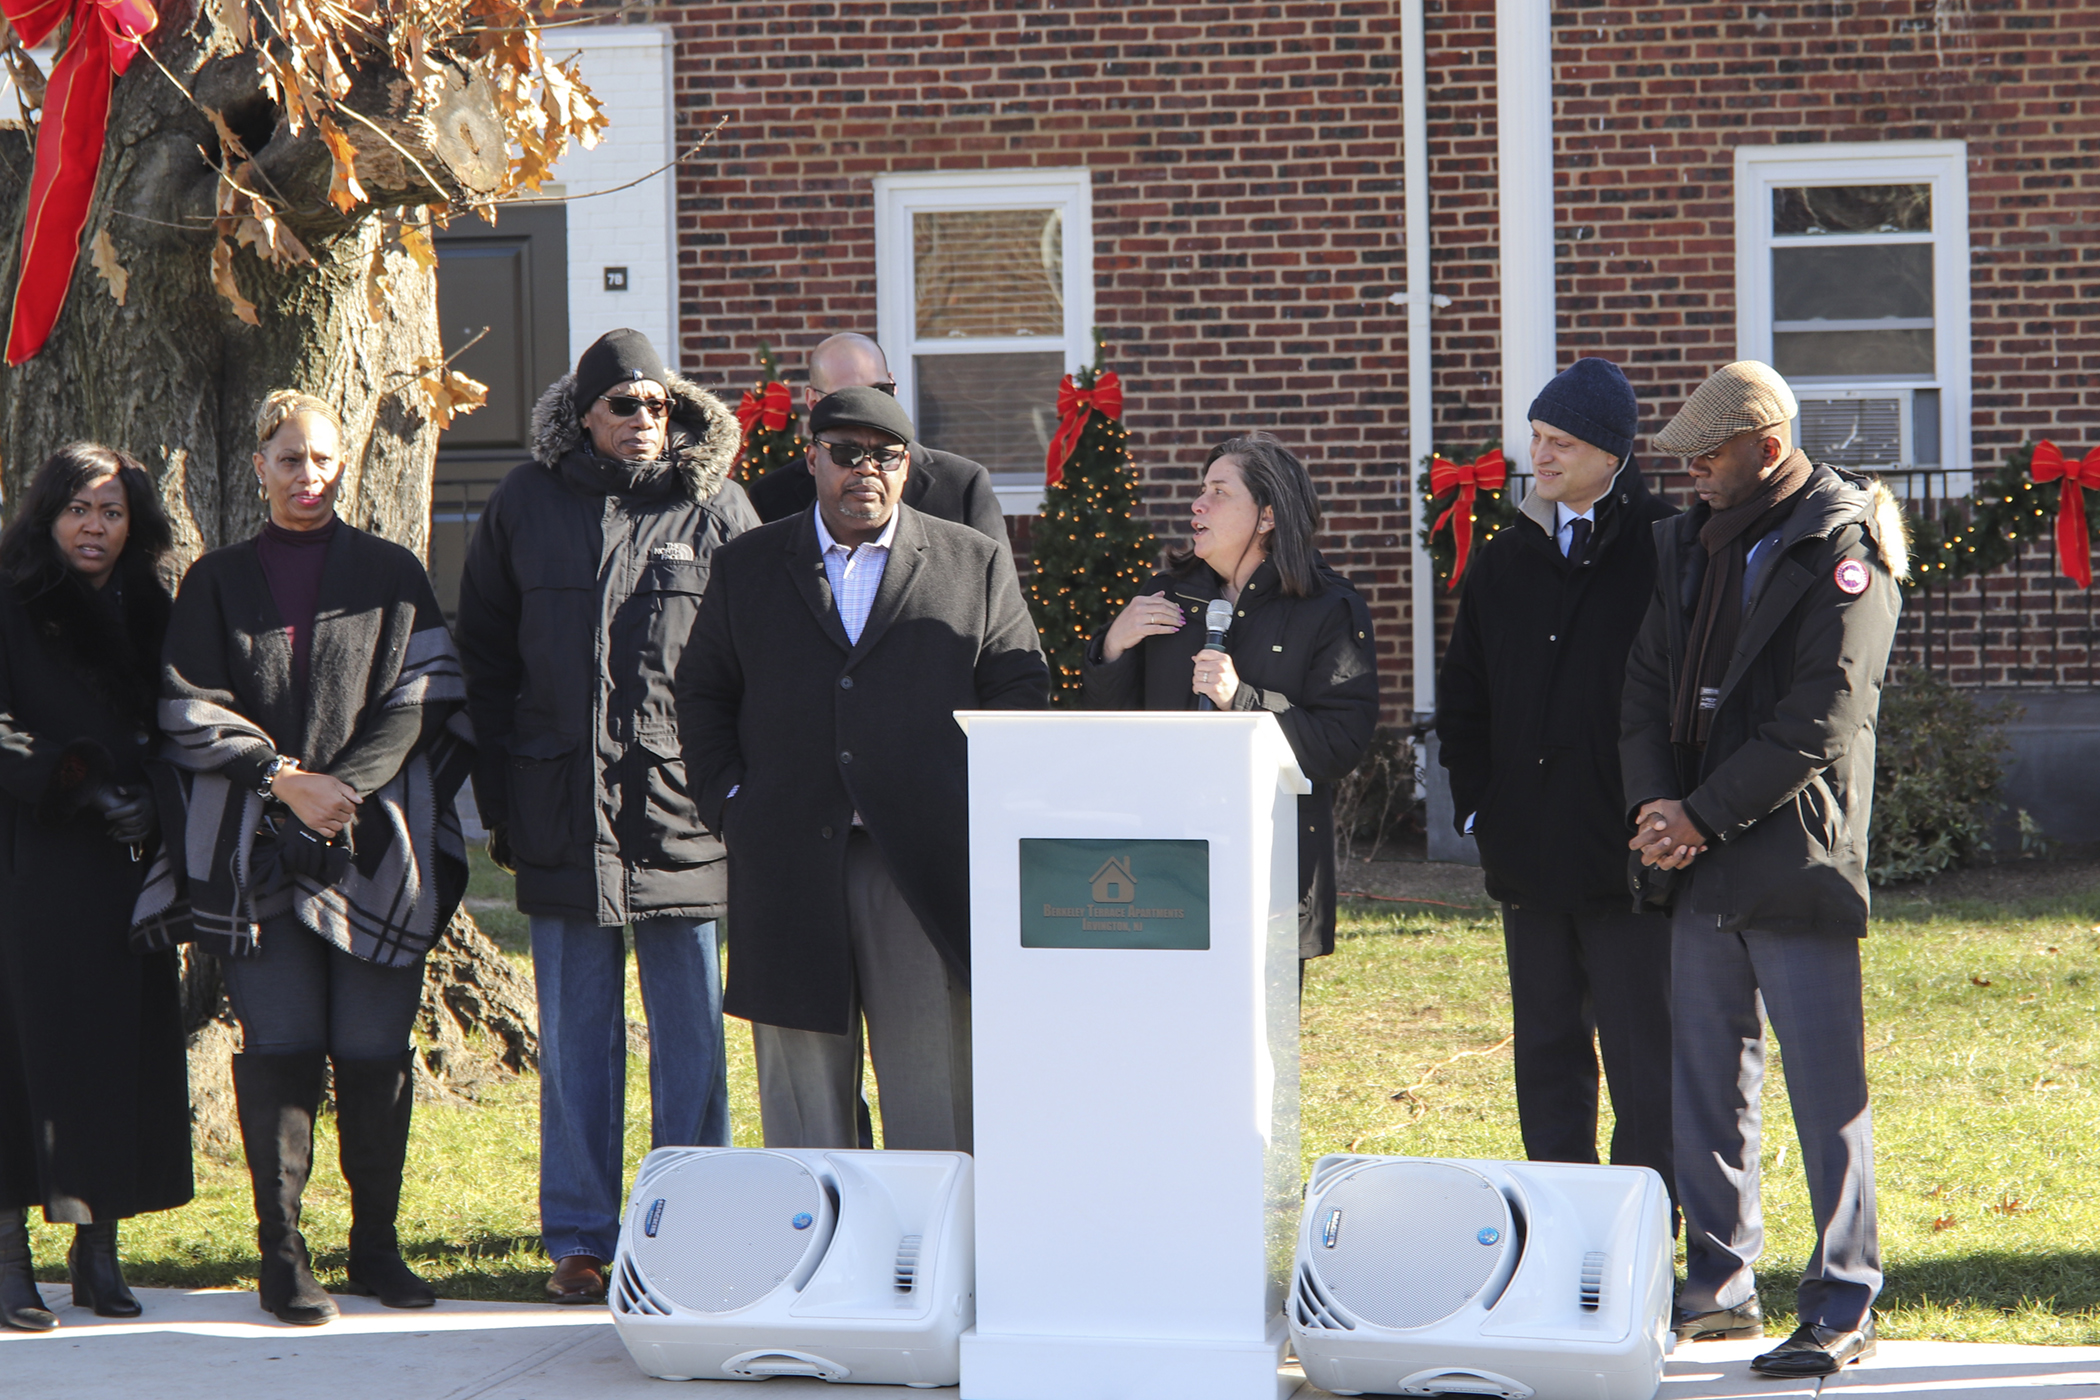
(168, 372)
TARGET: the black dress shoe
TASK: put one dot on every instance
(1723, 1324)
(1817, 1351)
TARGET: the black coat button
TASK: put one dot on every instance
(845, 682)
(827, 833)
(845, 757)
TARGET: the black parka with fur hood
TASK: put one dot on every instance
(580, 590)
(1785, 785)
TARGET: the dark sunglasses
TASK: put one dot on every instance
(626, 405)
(848, 455)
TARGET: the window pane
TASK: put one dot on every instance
(1855, 283)
(1852, 354)
(989, 272)
(1925, 427)
(1000, 410)
(1852, 209)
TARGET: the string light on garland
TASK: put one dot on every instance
(2007, 510)
(1091, 553)
(772, 437)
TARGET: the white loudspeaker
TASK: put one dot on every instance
(743, 1264)
(1421, 1276)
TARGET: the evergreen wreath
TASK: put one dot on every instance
(1090, 553)
(1493, 512)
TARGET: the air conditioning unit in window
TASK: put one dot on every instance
(1423, 1276)
(1871, 430)
(744, 1264)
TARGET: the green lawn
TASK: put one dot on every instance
(1984, 1047)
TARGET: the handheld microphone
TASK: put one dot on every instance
(1217, 619)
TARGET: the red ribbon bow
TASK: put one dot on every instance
(2074, 544)
(105, 35)
(772, 406)
(1489, 472)
(1074, 406)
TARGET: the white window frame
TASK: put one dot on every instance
(899, 197)
(1941, 164)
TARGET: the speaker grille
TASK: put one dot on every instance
(727, 1234)
(1407, 1244)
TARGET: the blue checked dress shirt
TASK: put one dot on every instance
(855, 574)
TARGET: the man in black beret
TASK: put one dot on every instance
(1528, 721)
(816, 704)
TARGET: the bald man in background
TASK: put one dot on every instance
(941, 484)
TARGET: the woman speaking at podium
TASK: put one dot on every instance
(1299, 645)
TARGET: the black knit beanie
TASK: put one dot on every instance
(615, 358)
(1592, 400)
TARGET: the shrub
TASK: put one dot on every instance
(1376, 800)
(1937, 762)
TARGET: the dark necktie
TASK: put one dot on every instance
(1578, 539)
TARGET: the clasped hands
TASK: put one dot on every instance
(1155, 615)
(1665, 836)
(326, 804)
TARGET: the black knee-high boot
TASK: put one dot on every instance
(373, 1102)
(20, 1304)
(98, 1279)
(277, 1096)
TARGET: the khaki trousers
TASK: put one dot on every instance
(916, 1017)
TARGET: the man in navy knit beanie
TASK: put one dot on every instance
(1527, 717)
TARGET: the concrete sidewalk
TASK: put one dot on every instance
(218, 1345)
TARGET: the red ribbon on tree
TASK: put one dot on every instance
(1489, 471)
(105, 36)
(772, 406)
(1074, 406)
(2074, 543)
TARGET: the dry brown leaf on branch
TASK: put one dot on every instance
(222, 280)
(102, 255)
(379, 288)
(343, 190)
(262, 230)
(448, 392)
(24, 72)
(415, 241)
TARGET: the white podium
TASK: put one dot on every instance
(1134, 945)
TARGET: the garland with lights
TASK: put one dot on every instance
(1492, 512)
(772, 438)
(2007, 510)
(1091, 555)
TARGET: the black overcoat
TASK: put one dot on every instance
(94, 1088)
(942, 484)
(1527, 706)
(1785, 786)
(1309, 661)
(807, 729)
(573, 610)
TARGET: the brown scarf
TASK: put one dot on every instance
(1718, 616)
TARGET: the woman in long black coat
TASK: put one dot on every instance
(1299, 647)
(94, 1088)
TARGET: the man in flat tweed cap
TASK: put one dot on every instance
(1747, 751)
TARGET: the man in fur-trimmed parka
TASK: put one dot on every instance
(1747, 752)
(581, 586)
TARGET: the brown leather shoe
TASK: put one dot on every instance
(580, 1278)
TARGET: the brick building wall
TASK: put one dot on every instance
(1247, 204)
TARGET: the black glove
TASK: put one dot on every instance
(303, 851)
(499, 849)
(128, 814)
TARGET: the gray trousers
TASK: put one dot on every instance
(1723, 987)
(302, 993)
(917, 1020)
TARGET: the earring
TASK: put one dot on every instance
(262, 492)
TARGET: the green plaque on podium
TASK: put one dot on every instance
(1115, 894)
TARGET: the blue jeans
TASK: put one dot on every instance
(581, 973)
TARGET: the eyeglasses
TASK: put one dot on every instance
(849, 455)
(626, 405)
